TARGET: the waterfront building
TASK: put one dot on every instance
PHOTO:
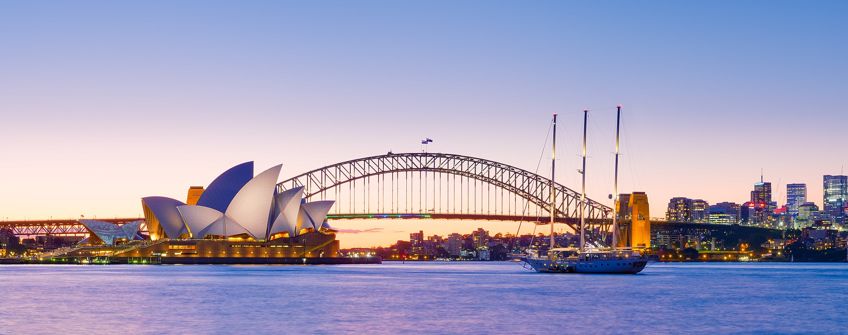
(238, 218)
(796, 195)
(835, 195)
(454, 245)
(700, 211)
(480, 237)
(679, 209)
(416, 242)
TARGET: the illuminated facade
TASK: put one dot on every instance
(640, 224)
(796, 195)
(725, 213)
(634, 220)
(236, 205)
(700, 211)
(682, 209)
(237, 219)
(194, 194)
(835, 196)
(679, 209)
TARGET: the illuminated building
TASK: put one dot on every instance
(682, 209)
(679, 209)
(759, 213)
(722, 218)
(238, 218)
(480, 238)
(724, 213)
(700, 211)
(416, 242)
(194, 194)
(806, 213)
(640, 224)
(835, 195)
(796, 195)
(454, 245)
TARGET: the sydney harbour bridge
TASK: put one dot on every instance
(418, 185)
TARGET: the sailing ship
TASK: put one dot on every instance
(612, 260)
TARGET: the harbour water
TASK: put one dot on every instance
(426, 297)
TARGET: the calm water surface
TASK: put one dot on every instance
(473, 298)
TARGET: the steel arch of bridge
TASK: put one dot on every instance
(522, 183)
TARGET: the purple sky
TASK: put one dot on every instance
(103, 102)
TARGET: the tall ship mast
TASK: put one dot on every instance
(583, 187)
(581, 259)
(553, 184)
(615, 180)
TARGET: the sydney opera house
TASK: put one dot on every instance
(238, 218)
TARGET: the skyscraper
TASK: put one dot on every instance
(796, 195)
(416, 242)
(761, 192)
(760, 203)
(835, 194)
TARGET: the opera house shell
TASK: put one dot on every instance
(237, 204)
(109, 233)
(238, 218)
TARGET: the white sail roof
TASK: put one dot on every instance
(288, 205)
(217, 228)
(198, 218)
(252, 205)
(317, 211)
(165, 210)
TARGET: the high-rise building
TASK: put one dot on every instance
(699, 211)
(760, 204)
(416, 242)
(796, 195)
(761, 192)
(679, 210)
(835, 195)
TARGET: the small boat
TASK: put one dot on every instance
(614, 260)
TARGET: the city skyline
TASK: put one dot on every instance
(706, 106)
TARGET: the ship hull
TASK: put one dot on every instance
(613, 266)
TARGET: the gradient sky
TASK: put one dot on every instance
(105, 102)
